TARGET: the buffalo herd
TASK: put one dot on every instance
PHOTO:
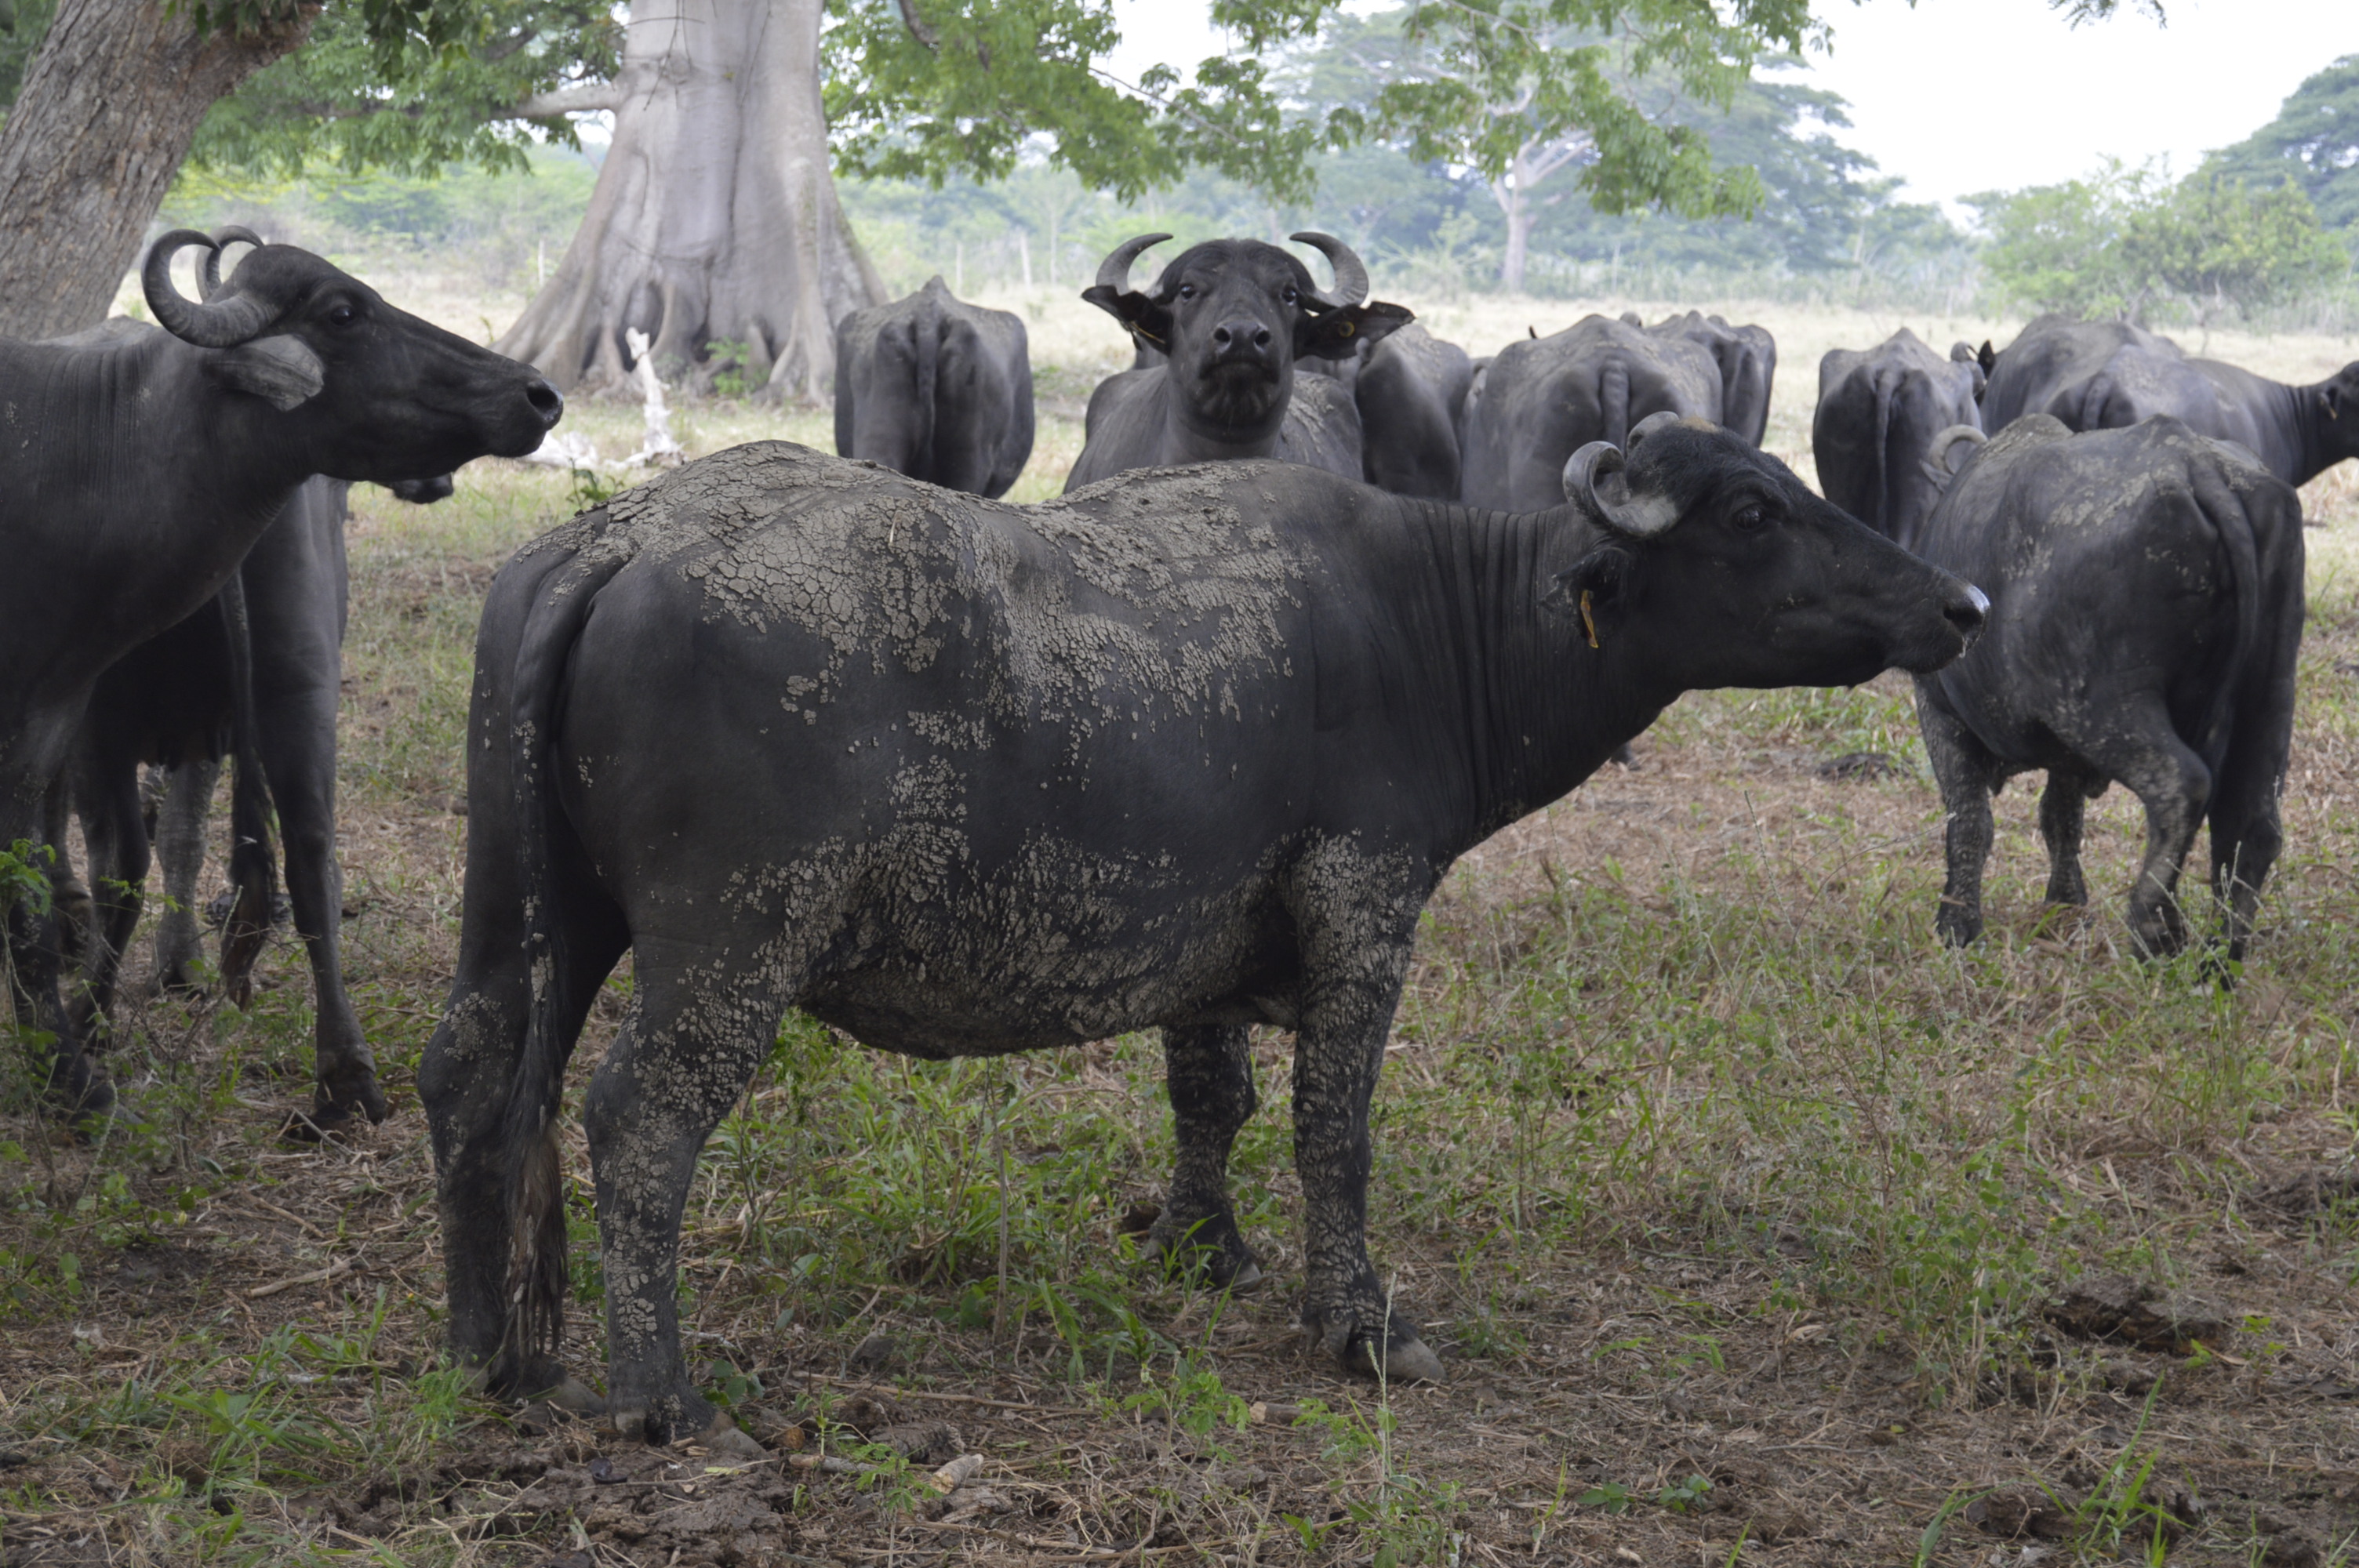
(1189, 748)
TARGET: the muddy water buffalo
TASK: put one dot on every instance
(2146, 606)
(2108, 376)
(1232, 319)
(1191, 750)
(136, 474)
(1878, 412)
(937, 389)
(1544, 399)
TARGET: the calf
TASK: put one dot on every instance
(1191, 750)
(2146, 607)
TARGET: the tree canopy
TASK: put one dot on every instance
(2314, 142)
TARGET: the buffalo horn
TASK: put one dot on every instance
(209, 283)
(216, 324)
(1595, 482)
(1114, 271)
(1351, 273)
(1944, 459)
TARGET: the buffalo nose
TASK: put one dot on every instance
(1234, 335)
(545, 400)
(1966, 610)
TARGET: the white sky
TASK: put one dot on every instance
(1957, 96)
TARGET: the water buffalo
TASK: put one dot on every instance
(2146, 607)
(136, 474)
(937, 389)
(1232, 317)
(1191, 749)
(1410, 389)
(1748, 358)
(1544, 399)
(257, 675)
(2107, 375)
(1878, 412)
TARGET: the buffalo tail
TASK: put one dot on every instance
(537, 1239)
(1613, 400)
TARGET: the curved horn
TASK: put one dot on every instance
(1351, 273)
(1647, 426)
(1595, 480)
(1114, 271)
(1943, 459)
(209, 283)
(220, 325)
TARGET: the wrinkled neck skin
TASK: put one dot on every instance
(1526, 709)
(131, 487)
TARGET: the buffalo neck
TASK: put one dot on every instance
(1523, 708)
(2322, 439)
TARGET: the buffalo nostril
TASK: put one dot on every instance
(1261, 339)
(1967, 612)
(1220, 337)
(545, 400)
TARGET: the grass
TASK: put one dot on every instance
(1735, 1201)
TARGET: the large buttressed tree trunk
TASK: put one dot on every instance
(715, 218)
(109, 106)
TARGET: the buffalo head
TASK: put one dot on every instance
(1232, 316)
(367, 392)
(1745, 575)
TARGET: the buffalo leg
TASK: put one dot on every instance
(2246, 830)
(2063, 811)
(688, 1050)
(69, 895)
(106, 794)
(76, 1084)
(299, 755)
(1210, 1075)
(180, 845)
(1356, 935)
(1965, 771)
(2144, 751)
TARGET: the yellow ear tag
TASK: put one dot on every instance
(1345, 329)
(1588, 621)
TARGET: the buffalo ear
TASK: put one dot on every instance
(1337, 334)
(1142, 315)
(2332, 395)
(1987, 357)
(280, 370)
(1598, 577)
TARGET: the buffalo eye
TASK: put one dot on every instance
(1751, 519)
(1187, 291)
(1292, 294)
(343, 316)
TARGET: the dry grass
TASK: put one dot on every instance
(1696, 1154)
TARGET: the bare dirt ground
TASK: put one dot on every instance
(1756, 1229)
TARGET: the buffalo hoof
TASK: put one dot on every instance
(336, 1104)
(1207, 1251)
(1407, 1360)
(1958, 927)
(574, 1397)
(80, 1089)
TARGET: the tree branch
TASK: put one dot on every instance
(587, 98)
(917, 25)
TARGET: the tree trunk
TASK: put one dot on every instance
(108, 108)
(1517, 205)
(714, 217)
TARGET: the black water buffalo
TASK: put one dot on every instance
(1191, 750)
(1747, 359)
(936, 388)
(136, 474)
(1878, 412)
(257, 675)
(1545, 398)
(2146, 606)
(1232, 316)
(1410, 389)
(2107, 375)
